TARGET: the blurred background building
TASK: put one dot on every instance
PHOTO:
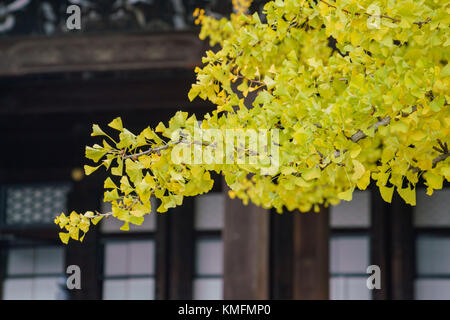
(135, 59)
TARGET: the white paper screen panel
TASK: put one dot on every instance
(129, 269)
(130, 258)
(432, 255)
(35, 273)
(208, 289)
(209, 257)
(208, 282)
(41, 288)
(349, 254)
(18, 289)
(41, 260)
(349, 288)
(432, 211)
(49, 260)
(349, 259)
(209, 216)
(129, 289)
(353, 214)
(20, 261)
(432, 289)
(209, 211)
(432, 267)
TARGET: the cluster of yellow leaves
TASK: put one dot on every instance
(241, 6)
(74, 223)
(390, 62)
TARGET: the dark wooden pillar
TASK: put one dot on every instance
(402, 249)
(246, 250)
(85, 196)
(181, 250)
(162, 256)
(379, 243)
(3, 243)
(281, 255)
(3, 246)
(311, 255)
(392, 247)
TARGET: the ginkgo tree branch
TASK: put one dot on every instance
(444, 154)
(386, 121)
(150, 151)
(135, 156)
(288, 52)
(361, 135)
(440, 158)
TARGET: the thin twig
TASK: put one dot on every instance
(250, 80)
(151, 150)
(440, 158)
(361, 135)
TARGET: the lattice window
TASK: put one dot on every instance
(353, 214)
(349, 259)
(350, 248)
(129, 270)
(32, 205)
(432, 267)
(209, 222)
(432, 211)
(35, 273)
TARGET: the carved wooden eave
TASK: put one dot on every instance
(74, 53)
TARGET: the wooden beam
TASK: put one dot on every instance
(311, 255)
(154, 91)
(65, 136)
(72, 53)
(246, 251)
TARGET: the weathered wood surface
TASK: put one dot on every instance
(72, 53)
(246, 251)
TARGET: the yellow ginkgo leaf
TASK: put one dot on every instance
(64, 236)
(116, 124)
(433, 180)
(359, 170)
(364, 181)
(408, 194)
(96, 131)
(311, 173)
(125, 227)
(96, 219)
(386, 193)
(109, 184)
(346, 195)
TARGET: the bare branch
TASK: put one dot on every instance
(151, 150)
(440, 158)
